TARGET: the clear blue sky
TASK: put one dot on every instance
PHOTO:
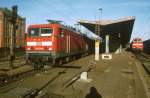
(38, 11)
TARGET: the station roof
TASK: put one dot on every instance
(123, 26)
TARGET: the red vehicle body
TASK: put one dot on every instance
(137, 44)
(54, 42)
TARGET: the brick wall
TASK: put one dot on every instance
(6, 28)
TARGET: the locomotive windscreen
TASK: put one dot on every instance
(35, 32)
(46, 31)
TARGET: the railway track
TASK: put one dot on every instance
(19, 71)
(66, 73)
(144, 59)
(4, 63)
(7, 59)
(7, 77)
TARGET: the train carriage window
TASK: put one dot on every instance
(46, 31)
(33, 32)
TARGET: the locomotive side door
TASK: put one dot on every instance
(67, 42)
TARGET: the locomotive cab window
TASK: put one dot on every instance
(33, 32)
(137, 40)
(46, 31)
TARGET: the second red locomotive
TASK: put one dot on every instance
(137, 44)
(55, 42)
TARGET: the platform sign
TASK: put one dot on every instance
(97, 43)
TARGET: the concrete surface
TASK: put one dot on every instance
(116, 78)
(121, 77)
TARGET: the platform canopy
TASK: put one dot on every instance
(121, 28)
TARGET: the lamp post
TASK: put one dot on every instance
(97, 41)
(100, 18)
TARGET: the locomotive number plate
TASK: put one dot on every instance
(39, 44)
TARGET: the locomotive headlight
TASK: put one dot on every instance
(48, 43)
(31, 43)
(28, 48)
(49, 48)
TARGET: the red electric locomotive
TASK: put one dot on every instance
(137, 44)
(54, 42)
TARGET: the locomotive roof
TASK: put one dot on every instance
(59, 25)
(137, 38)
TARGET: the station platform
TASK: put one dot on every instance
(121, 77)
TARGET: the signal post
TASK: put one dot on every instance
(13, 36)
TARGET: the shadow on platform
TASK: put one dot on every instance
(93, 93)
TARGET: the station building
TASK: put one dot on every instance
(6, 28)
